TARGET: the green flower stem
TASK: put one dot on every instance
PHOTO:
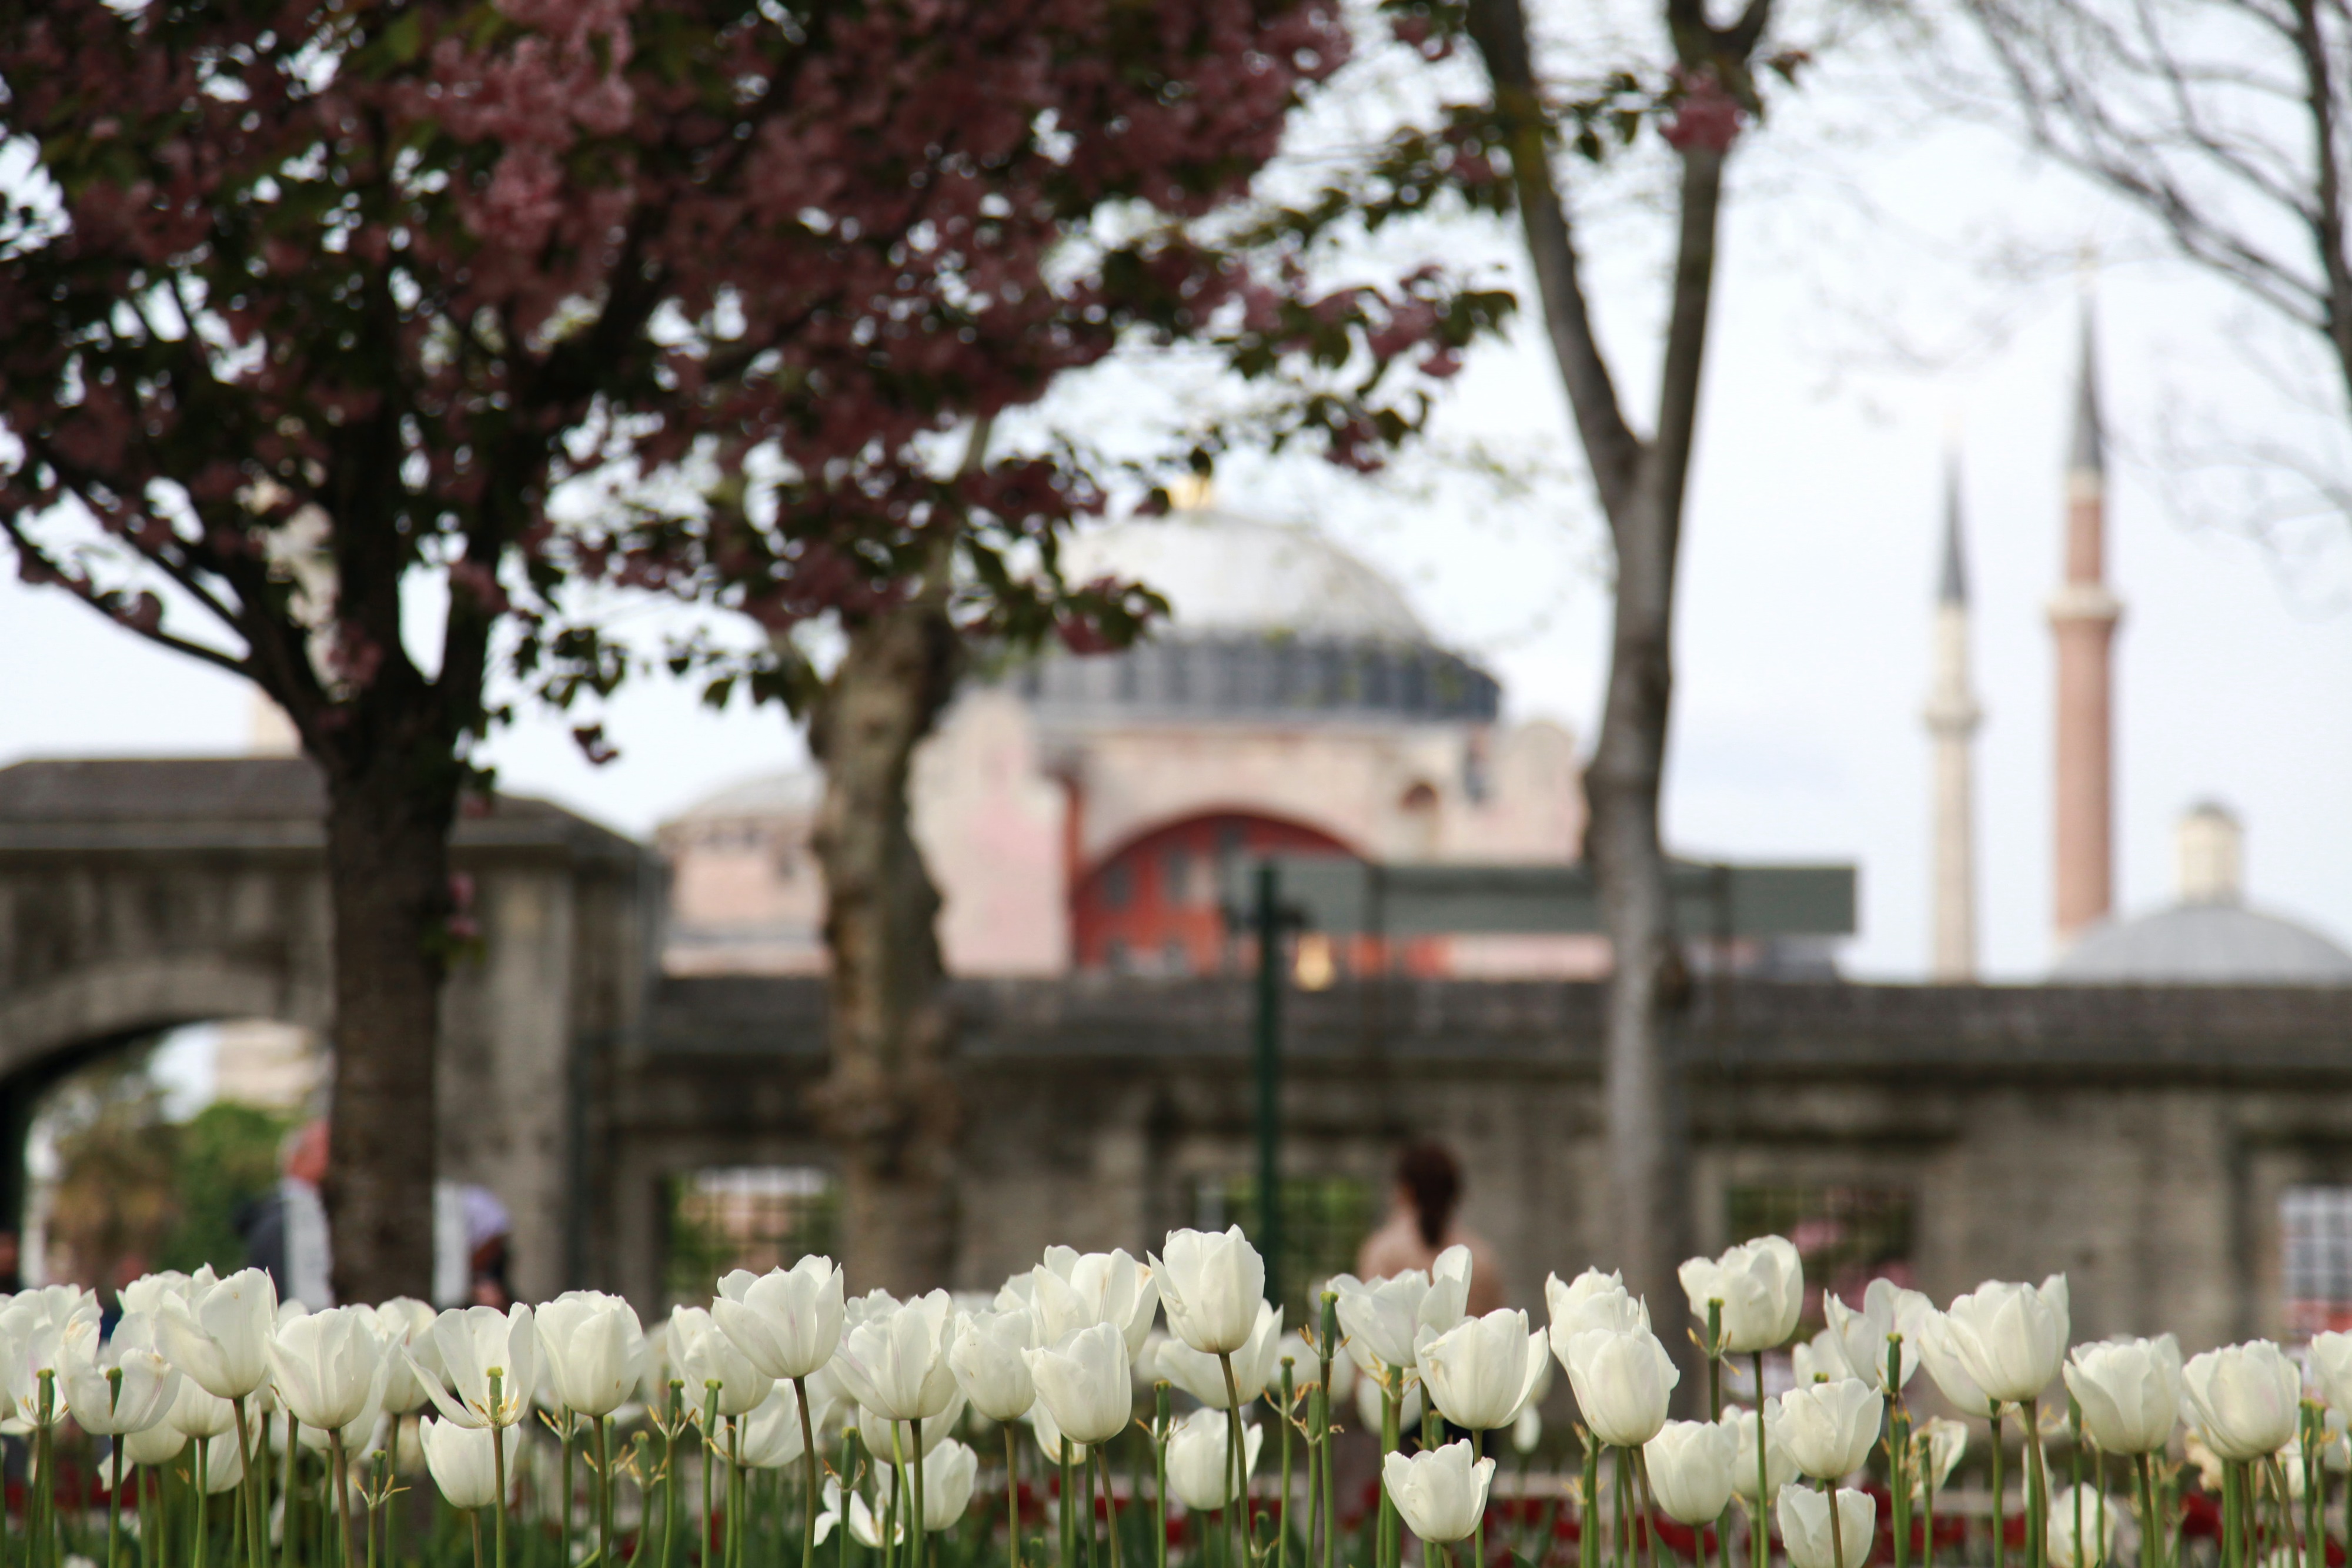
(1065, 1516)
(286, 1488)
(848, 1479)
(114, 1492)
(1837, 1526)
(1588, 1531)
(1928, 1498)
(709, 1446)
(1282, 1514)
(44, 1446)
(1641, 1462)
(1326, 1341)
(563, 1434)
(2074, 1472)
(1316, 1422)
(499, 1465)
(342, 1490)
(1237, 1461)
(1390, 1546)
(2037, 1490)
(1110, 1504)
(473, 1515)
(1620, 1541)
(1999, 1500)
(1013, 1502)
(735, 1497)
(604, 1493)
(670, 1431)
(250, 1489)
(1760, 1532)
(808, 1474)
(1086, 1484)
(1714, 1413)
(1898, 1449)
(203, 1468)
(918, 1521)
(1159, 1426)
(1478, 1532)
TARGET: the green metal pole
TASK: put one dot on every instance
(1267, 917)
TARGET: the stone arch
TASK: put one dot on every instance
(122, 999)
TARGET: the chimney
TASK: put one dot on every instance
(2211, 852)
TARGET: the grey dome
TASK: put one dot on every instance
(1268, 624)
(2205, 945)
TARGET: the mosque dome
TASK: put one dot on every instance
(2209, 938)
(1267, 623)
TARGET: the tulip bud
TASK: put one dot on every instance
(1072, 1290)
(1622, 1381)
(157, 1445)
(219, 1335)
(1480, 1373)
(1939, 1354)
(593, 1350)
(1778, 1466)
(2244, 1401)
(462, 1462)
(2129, 1391)
(2081, 1507)
(1939, 1443)
(1829, 1428)
(1761, 1285)
(2010, 1338)
(771, 1434)
(1383, 1318)
(787, 1322)
(1199, 1458)
(223, 1456)
(893, 1358)
(949, 1471)
(1203, 1377)
(1440, 1493)
(471, 1343)
(326, 1364)
(1212, 1286)
(148, 1388)
(1805, 1527)
(707, 1359)
(1887, 1309)
(1692, 1465)
(989, 1361)
(1083, 1381)
(1821, 1359)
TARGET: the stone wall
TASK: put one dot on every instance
(2136, 1139)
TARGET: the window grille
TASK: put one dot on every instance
(746, 1217)
(2315, 1259)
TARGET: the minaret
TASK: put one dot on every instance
(2083, 616)
(1952, 716)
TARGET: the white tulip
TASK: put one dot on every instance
(463, 1463)
(1821, 1359)
(592, 1351)
(362, 1433)
(2094, 1546)
(1692, 1465)
(219, 1335)
(1805, 1528)
(1083, 1381)
(223, 1463)
(1382, 1320)
(2012, 1338)
(1481, 1373)
(2129, 1391)
(1940, 1352)
(1778, 1466)
(883, 1438)
(1049, 1437)
(1591, 1300)
(1440, 1494)
(1212, 1285)
(158, 1445)
(405, 1326)
(1886, 1310)
(143, 1395)
(1829, 1428)
(144, 1295)
(989, 1364)
(709, 1360)
(1939, 1443)
(26, 1354)
(949, 1471)
(2244, 1400)
(1368, 1399)
(894, 1355)
(771, 1434)
(199, 1414)
(1623, 1380)
(1761, 1285)
(1071, 1290)
(787, 1321)
(326, 1364)
(1254, 1364)
(1200, 1457)
(469, 1344)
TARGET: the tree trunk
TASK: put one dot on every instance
(888, 1105)
(388, 881)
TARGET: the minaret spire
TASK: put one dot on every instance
(1952, 716)
(2083, 617)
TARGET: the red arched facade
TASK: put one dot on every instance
(1153, 905)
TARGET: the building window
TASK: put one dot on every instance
(1324, 1220)
(1847, 1236)
(2315, 1259)
(1117, 886)
(1176, 877)
(746, 1217)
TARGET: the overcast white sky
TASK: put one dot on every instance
(1802, 638)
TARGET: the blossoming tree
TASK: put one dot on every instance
(310, 314)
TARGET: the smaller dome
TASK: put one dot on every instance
(2204, 945)
(1223, 574)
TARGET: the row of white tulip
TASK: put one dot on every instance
(777, 1359)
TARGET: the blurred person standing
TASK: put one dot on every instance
(1420, 1225)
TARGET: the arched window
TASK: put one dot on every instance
(1153, 905)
